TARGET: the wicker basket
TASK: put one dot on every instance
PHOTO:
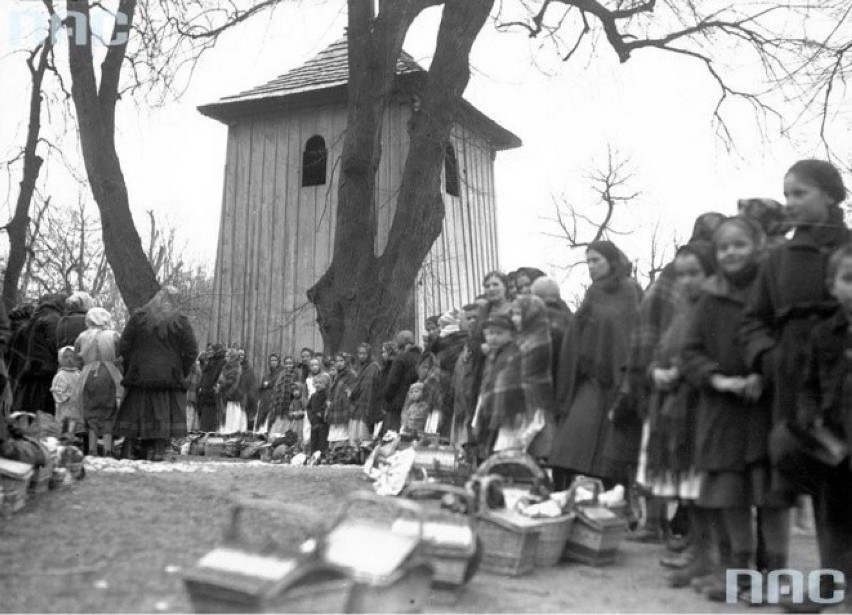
(509, 539)
(596, 531)
(233, 446)
(552, 534)
(438, 456)
(15, 476)
(517, 468)
(214, 446)
(451, 539)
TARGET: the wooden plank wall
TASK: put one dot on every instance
(276, 237)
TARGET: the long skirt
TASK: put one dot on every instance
(192, 421)
(208, 417)
(33, 394)
(236, 420)
(358, 431)
(151, 414)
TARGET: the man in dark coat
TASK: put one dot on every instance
(73, 322)
(402, 375)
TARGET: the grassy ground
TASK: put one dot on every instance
(118, 543)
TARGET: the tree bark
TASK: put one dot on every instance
(96, 124)
(17, 227)
(361, 296)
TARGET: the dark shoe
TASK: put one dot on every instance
(698, 567)
(677, 544)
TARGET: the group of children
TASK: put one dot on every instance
(753, 370)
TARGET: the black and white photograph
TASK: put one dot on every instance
(425, 306)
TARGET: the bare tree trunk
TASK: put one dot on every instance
(360, 297)
(95, 108)
(17, 227)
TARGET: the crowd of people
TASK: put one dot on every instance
(725, 386)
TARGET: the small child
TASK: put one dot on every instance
(65, 389)
(317, 408)
(296, 414)
(415, 411)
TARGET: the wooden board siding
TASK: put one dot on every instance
(276, 237)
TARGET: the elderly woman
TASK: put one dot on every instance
(594, 356)
(100, 379)
(158, 347)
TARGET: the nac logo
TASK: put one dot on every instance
(785, 582)
(28, 21)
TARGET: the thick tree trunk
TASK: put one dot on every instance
(17, 227)
(96, 123)
(361, 297)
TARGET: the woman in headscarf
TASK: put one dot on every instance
(100, 378)
(158, 347)
(230, 395)
(208, 410)
(366, 396)
(278, 421)
(73, 322)
(595, 354)
(340, 408)
(248, 387)
(439, 382)
(33, 392)
(266, 405)
(497, 301)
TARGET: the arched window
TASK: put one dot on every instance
(451, 171)
(314, 161)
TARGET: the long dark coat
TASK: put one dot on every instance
(208, 412)
(730, 432)
(249, 389)
(403, 374)
(16, 350)
(827, 385)
(34, 383)
(789, 300)
(594, 356)
(366, 397)
(267, 402)
(560, 318)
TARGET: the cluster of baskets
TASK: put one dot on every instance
(19, 480)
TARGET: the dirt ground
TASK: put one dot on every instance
(119, 542)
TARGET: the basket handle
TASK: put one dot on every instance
(512, 457)
(585, 481)
(426, 487)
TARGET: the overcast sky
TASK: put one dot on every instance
(656, 109)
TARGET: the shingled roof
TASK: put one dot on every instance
(323, 78)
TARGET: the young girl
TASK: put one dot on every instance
(340, 407)
(315, 366)
(669, 469)
(317, 408)
(66, 393)
(101, 389)
(733, 417)
(826, 398)
(296, 414)
(236, 420)
(415, 411)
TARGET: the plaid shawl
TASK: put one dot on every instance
(536, 354)
(502, 391)
(341, 408)
(282, 393)
(366, 396)
(192, 383)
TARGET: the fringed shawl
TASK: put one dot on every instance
(536, 354)
(340, 409)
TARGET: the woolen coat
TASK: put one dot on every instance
(731, 433)
(366, 395)
(790, 299)
(403, 374)
(594, 356)
(159, 362)
(249, 390)
(208, 412)
(33, 386)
